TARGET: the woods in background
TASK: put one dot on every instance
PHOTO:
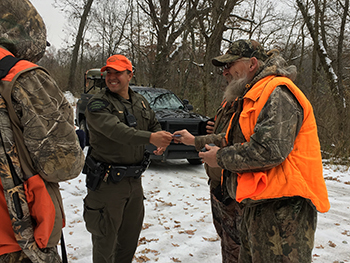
(171, 44)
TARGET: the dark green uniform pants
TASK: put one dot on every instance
(113, 215)
(278, 231)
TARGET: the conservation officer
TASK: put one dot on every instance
(120, 123)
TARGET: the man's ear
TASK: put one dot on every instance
(253, 65)
(131, 74)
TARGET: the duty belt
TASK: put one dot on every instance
(115, 173)
(96, 171)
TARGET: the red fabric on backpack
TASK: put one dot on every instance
(8, 242)
(41, 208)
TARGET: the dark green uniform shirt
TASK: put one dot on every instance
(111, 139)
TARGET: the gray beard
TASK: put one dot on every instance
(235, 89)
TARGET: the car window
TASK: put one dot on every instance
(160, 100)
(93, 86)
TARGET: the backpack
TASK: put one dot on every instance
(26, 193)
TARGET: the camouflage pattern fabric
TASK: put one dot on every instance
(46, 120)
(22, 30)
(15, 257)
(239, 49)
(23, 227)
(227, 219)
(20, 257)
(227, 213)
(217, 139)
(281, 230)
(237, 158)
(271, 230)
(48, 127)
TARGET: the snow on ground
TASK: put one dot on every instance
(332, 242)
(178, 224)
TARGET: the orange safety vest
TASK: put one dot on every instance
(34, 189)
(301, 173)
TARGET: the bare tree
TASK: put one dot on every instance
(171, 44)
(212, 17)
(169, 19)
(78, 40)
(333, 74)
(110, 25)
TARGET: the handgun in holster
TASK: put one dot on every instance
(94, 171)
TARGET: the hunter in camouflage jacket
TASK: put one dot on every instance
(48, 135)
(279, 142)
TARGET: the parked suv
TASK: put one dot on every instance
(172, 113)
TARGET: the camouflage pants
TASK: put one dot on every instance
(226, 219)
(15, 257)
(279, 231)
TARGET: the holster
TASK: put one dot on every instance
(94, 171)
(97, 171)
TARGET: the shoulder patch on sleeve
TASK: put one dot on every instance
(97, 105)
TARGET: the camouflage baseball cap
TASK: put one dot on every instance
(22, 30)
(239, 49)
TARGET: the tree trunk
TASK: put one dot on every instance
(220, 13)
(71, 80)
(332, 79)
(314, 51)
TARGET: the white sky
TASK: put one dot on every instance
(54, 21)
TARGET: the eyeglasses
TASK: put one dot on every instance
(228, 65)
(225, 67)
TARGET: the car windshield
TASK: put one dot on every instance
(161, 100)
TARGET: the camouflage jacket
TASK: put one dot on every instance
(49, 135)
(274, 134)
(275, 131)
(222, 120)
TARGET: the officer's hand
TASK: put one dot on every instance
(209, 157)
(210, 127)
(161, 138)
(184, 137)
(159, 151)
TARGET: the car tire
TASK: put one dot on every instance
(195, 161)
(83, 127)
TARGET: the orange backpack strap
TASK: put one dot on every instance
(6, 63)
(16, 185)
(5, 91)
